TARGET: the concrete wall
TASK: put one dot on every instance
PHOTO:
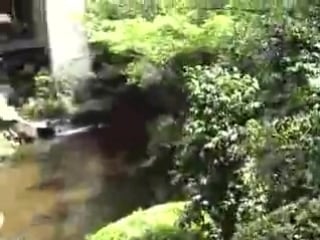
(40, 38)
(39, 18)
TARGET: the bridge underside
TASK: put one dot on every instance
(22, 24)
(20, 44)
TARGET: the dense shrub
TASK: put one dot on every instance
(295, 221)
(249, 143)
(162, 37)
(212, 153)
(53, 98)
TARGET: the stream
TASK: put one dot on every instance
(19, 205)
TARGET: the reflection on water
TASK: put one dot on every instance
(20, 205)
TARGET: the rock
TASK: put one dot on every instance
(5, 90)
(8, 114)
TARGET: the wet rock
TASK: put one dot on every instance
(19, 67)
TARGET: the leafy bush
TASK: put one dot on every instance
(295, 221)
(53, 98)
(162, 37)
(117, 10)
(288, 159)
(156, 223)
(245, 153)
(211, 153)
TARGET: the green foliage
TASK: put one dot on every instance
(123, 9)
(251, 146)
(238, 166)
(211, 155)
(52, 98)
(296, 143)
(162, 37)
(156, 223)
(299, 220)
(249, 143)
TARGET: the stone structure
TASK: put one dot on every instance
(67, 38)
(37, 19)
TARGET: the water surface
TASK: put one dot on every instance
(20, 205)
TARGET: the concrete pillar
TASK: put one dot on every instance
(40, 22)
(68, 45)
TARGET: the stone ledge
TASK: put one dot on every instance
(5, 18)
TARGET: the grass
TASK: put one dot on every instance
(155, 223)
